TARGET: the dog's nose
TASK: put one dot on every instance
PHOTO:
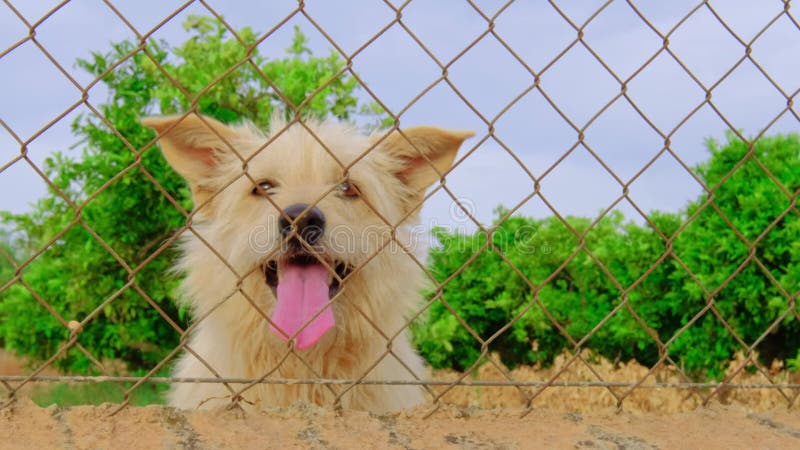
(309, 225)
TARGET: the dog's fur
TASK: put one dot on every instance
(234, 231)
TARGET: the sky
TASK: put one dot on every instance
(529, 131)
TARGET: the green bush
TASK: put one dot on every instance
(129, 214)
(490, 293)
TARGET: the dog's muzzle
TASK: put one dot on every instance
(303, 278)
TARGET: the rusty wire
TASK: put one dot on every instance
(13, 383)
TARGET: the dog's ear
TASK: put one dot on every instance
(424, 153)
(194, 146)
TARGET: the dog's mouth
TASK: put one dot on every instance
(303, 287)
(305, 259)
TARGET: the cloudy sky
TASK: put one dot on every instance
(33, 91)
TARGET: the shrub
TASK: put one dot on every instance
(627, 266)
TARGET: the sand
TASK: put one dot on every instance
(25, 425)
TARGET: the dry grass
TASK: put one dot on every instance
(641, 399)
(582, 399)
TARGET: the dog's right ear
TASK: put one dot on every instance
(194, 146)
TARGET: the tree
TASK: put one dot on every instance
(7, 259)
(123, 218)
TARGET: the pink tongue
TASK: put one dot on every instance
(302, 292)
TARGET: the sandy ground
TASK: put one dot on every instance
(25, 425)
(474, 418)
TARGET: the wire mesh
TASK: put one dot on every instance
(437, 389)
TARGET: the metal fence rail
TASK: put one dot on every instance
(530, 390)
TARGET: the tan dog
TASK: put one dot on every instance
(285, 233)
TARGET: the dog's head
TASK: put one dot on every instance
(307, 204)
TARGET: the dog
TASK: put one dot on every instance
(295, 264)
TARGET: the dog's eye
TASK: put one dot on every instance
(349, 189)
(263, 188)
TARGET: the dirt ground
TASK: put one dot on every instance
(474, 418)
(24, 425)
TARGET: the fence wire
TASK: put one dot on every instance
(437, 389)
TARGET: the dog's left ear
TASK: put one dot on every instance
(425, 154)
(194, 146)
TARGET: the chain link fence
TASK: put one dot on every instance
(437, 388)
